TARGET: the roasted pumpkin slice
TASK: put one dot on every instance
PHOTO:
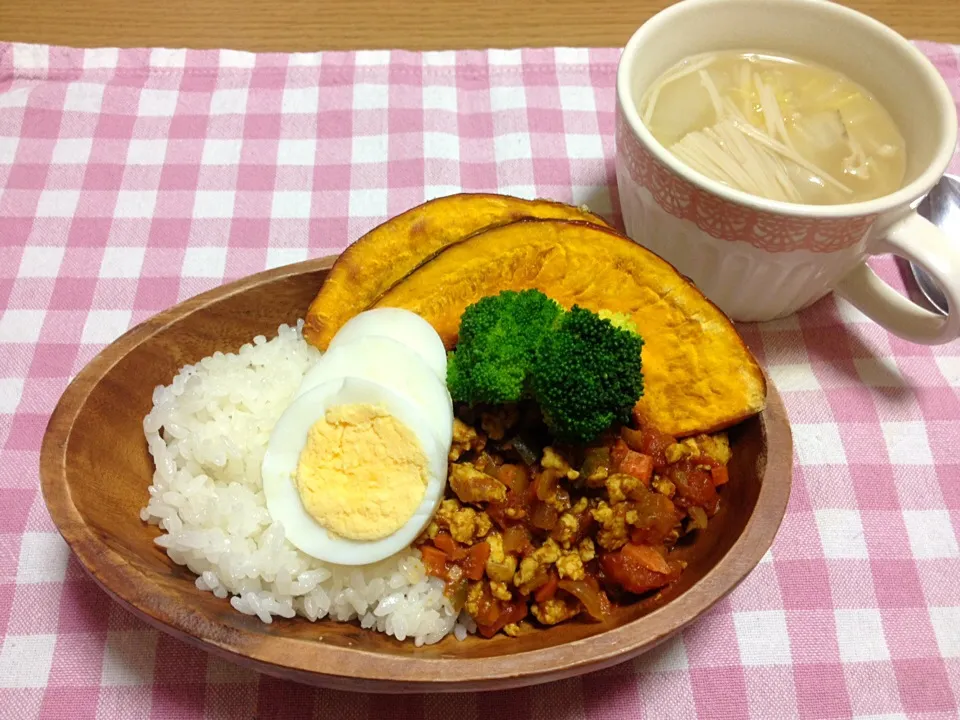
(698, 374)
(376, 261)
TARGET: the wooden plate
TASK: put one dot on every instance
(95, 471)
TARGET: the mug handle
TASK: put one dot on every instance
(920, 241)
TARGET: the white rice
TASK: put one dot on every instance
(207, 433)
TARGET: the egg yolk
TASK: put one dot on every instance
(362, 473)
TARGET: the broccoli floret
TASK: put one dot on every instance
(583, 369)
(586, 375)
(494, 353)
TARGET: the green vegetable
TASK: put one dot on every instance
(498, 337)
(586, 376)
(581, 368)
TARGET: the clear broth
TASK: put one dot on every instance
(778, 127)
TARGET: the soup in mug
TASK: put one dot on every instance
(777, 127)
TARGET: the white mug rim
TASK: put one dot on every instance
(901, 197)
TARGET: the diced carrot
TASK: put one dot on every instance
(434, 560)
(449, 546)
(446, 543)
(547, 591)
(720, 475)
(640, 466)
(646, 556)
(476, 561)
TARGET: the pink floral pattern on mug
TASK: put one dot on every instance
(731, 221)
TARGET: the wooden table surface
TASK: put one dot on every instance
(291, 25)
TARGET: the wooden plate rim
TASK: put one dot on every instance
(343, 666)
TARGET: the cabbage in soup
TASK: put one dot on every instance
(777, 127)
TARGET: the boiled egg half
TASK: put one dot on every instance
(403, 326)
(386, 361)
(357, 464)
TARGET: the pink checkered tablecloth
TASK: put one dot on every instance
(132, 179)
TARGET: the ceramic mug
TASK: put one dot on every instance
(760, 259)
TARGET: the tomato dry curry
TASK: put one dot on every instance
(532, 532)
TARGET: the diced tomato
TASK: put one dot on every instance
(476, 561)
(633, 438)
(719, 475)
(488, 614)
(617, 453)
(544, 517)
(531, 492)
(547, 591)
(707, 460)
(655, 444)
(449, 546)
(640, 466)
(584, 523)
(640, 536)
(513, 612)
(656, 518)
(515, 505)
(516, 539)
(434, 561)
(633, 577)
(647, 556)
(514, 477)
(497, 513)
(488, 607)
(694, 487)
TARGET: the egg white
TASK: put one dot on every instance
(388, 362)
(283, 454)
(404, 326)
